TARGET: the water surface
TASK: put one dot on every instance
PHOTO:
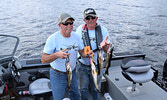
(133, 24)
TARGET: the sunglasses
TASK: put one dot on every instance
(65, 24)
(90, 17)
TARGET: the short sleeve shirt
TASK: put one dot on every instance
(57, 42)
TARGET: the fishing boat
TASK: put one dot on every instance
(29, 79)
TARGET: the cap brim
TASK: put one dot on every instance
(90, 15)
(63, 21)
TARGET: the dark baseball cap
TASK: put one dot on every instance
(64, 17)
(89, 12)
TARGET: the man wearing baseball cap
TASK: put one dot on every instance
(60, 46)
(95, 37)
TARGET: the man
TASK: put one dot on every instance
(59, 47)
(94, 36)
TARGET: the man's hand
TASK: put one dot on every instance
(105, 45)
(62, 54)
(89, 54)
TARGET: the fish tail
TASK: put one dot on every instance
(106, 72)
(68, 87)
(99, 91)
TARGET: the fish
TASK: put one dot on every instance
(69, 72)
(100, 61)
(94, 73)
(108, 58)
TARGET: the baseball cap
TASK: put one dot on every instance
(64, 17)
(89, 12)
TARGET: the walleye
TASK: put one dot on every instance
(100, 61)
(69, 72)
(108, 58)
(94, 73)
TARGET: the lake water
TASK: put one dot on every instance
(133, 24)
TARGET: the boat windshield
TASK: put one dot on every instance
(8, 45)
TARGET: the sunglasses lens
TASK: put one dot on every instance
(87, 18)
(90, 17)
(65, 24)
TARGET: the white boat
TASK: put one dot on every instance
(29, 79)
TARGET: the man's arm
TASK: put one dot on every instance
(48, 58)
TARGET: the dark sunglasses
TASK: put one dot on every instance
(65, 24)
(88, 18)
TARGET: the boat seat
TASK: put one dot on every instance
(40, 88)
(136, 70)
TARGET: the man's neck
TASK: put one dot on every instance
(65, 34)
(92, 27)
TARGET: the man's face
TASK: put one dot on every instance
(66, 27)
(91, 22)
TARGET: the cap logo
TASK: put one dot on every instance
(89, 11)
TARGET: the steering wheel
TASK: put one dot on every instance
(14, 71)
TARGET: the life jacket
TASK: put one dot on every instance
(86, 39)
